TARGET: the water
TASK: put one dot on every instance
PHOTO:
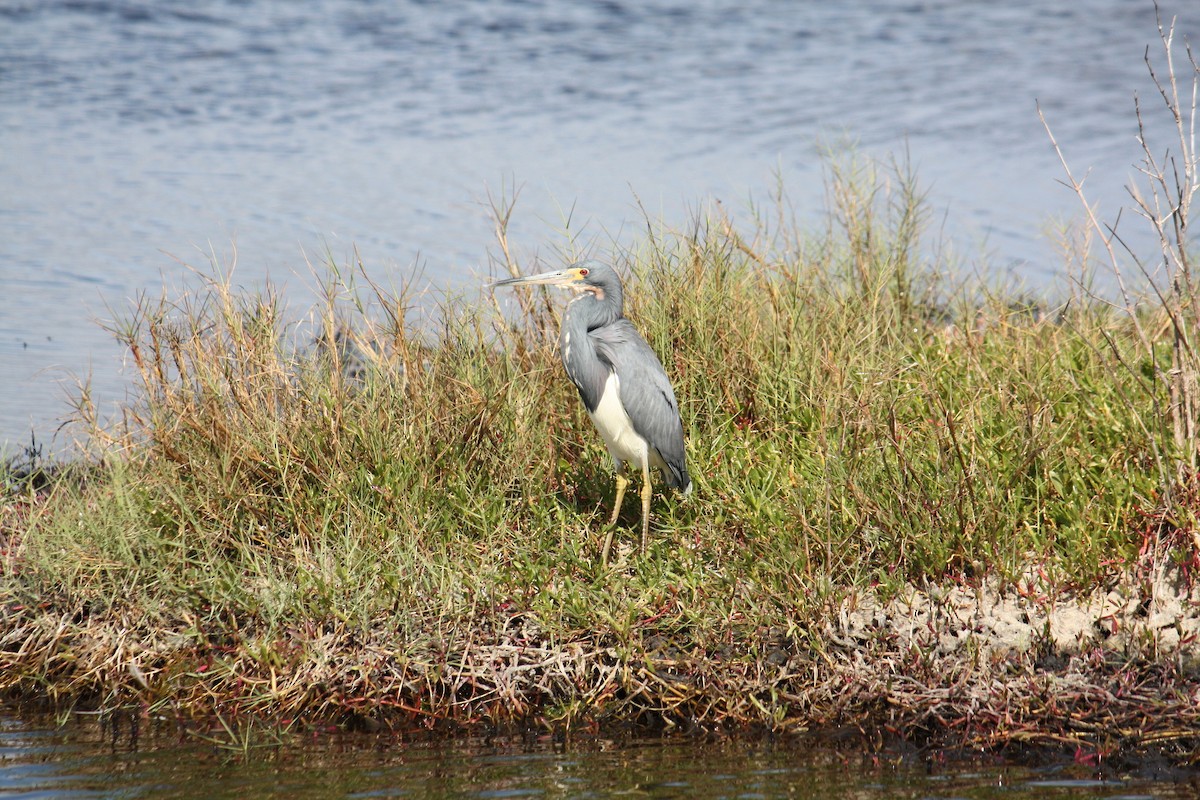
(136, 134)
(83, 760)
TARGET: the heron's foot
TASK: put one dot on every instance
(616, 554)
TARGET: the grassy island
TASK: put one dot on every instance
(923, 508)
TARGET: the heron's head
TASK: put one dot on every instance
(583, 276)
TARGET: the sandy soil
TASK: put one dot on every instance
(1152, 614)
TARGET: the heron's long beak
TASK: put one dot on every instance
(562, 277)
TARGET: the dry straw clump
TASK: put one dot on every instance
(880, 680)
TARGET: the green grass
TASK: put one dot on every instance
(855, 422)
(842, 432)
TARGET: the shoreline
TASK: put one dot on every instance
(933, 668)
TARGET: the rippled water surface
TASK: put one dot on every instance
(84, 760)
(140, 133)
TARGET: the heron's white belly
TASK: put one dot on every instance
(610, 418)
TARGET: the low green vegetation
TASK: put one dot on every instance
(852, 422)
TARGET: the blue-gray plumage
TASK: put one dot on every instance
(620, 380)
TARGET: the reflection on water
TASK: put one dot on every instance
(85, 760)
(134, 129)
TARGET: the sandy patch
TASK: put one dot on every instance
(1152, 614)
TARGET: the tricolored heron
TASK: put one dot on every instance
(621, 382)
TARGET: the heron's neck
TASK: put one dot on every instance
(578, 349)
(586, 312)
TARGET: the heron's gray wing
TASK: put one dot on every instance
(646, 394)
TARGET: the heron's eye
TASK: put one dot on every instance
(582, 272)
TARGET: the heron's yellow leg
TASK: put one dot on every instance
(607, 544)
(622, 485)
(647, 490)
